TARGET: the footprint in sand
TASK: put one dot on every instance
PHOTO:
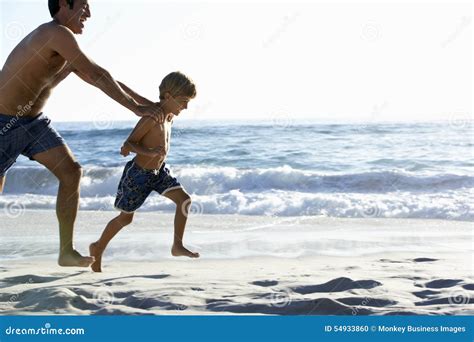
(445, 300)
(442, 283)
(35, 279)
(265, 283)
(366, 301)
(320, 306)
(426, 293)
(59, 299)
(337, 285)
(424, 260)
(391, 261)
(403, 313)
(145, 303)
(120, 280)
(469, 287)
(350, 268)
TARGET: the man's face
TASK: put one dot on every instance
(78, 15)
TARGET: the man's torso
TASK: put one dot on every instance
(31, 71)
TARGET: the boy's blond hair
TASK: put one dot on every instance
(177, 84)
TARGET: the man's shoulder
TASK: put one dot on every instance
(52, 30)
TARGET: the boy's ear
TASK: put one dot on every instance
(167, 95)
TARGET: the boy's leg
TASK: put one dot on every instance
(183, 203)
(61, 163)
(113, 227)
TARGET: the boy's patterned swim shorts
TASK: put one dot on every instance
(137, 183)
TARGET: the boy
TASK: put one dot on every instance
(150, 141)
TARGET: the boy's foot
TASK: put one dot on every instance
(181, 251)
(74, 259)
(96, 252)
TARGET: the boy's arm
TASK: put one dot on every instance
(138, 98)
(132, 143)
(64, 43)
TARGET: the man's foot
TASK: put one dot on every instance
(177, 250)
(96, 252)
(74, 259)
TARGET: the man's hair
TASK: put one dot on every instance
(177, 84)
(54, 6)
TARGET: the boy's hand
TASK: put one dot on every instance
(125, 150)
(154, 111)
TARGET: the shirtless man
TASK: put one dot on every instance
(43, 59)
(147, 172)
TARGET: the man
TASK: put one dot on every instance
(36, 65)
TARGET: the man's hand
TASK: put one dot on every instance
(125, 150)
(154, 111)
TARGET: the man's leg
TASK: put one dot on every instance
(97, 248)
(2, 184)
(183, 203)
(60, 161)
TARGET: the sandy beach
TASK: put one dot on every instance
(278, 266)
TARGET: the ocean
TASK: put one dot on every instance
(280, 169)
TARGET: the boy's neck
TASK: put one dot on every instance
(159, 103)
(169, 116)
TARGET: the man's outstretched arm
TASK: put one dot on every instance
(138, 98)
(2, 183)
(64, 43)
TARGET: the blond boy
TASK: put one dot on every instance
(147, 172)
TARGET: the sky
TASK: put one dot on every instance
(264, 61)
